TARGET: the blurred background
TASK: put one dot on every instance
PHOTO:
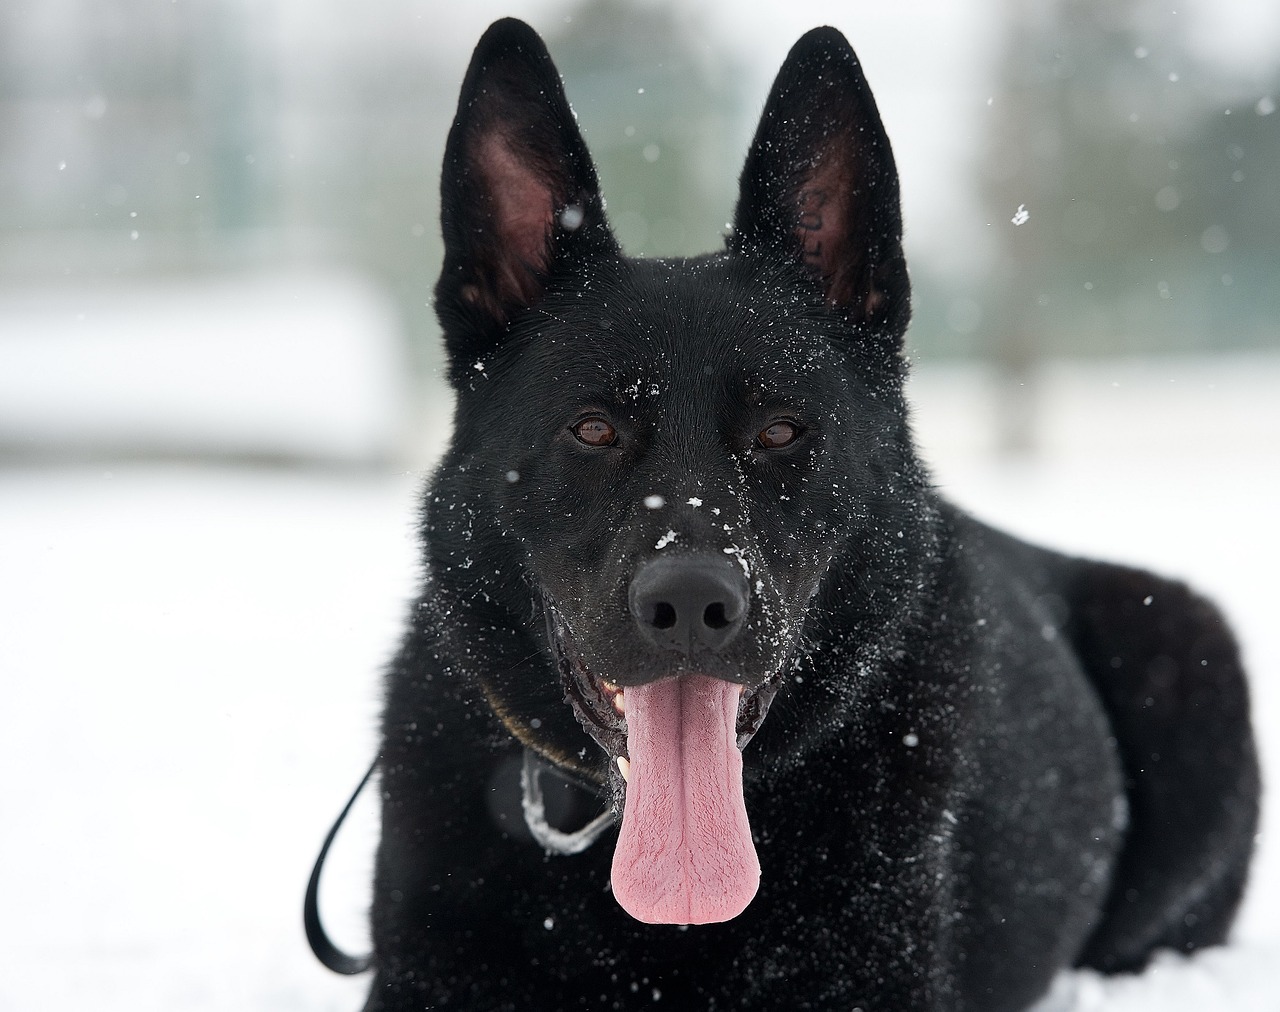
(220, 388)
(218, 220)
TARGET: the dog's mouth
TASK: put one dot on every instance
(684, 853)
(601, 705)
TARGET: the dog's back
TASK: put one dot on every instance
(1167, 669)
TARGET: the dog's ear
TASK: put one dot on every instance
(821, 184)
(518, 189)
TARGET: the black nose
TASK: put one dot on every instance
(689, 603)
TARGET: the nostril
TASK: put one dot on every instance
(664, 616)
(688, 603)
(714, 617)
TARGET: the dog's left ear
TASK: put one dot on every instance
(517, 192)
(820, 184)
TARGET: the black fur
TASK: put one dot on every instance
(985, 762)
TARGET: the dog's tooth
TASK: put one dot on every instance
(620, 702)
(624, 767)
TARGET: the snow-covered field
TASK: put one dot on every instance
(189, 659)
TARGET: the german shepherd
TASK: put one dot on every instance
(682, 497)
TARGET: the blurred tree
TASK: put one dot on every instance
(1116, 145)
(95, 136)
(661, 111)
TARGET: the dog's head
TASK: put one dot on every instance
(666, 475)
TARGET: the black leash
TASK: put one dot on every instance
(554, 841)
(328, 953)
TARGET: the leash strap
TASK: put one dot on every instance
(325, 951)
(553, 841)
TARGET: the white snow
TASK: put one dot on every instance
(305, 364)
(190, 660)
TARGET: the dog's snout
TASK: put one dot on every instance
(689, 603)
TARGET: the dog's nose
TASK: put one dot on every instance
(688, 603)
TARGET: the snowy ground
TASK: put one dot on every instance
(190, 663)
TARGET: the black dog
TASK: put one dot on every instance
(679, 491)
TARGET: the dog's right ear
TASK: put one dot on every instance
(518, 190)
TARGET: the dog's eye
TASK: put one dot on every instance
(777, 435)
(595, 431)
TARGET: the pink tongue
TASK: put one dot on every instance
(684, 854)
